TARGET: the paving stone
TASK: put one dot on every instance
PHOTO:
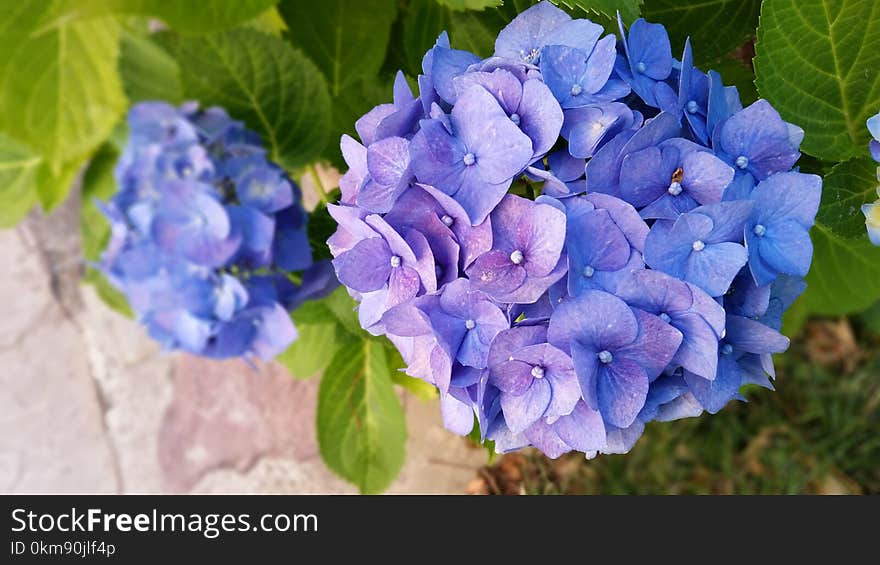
(229, 414)
(54, 438)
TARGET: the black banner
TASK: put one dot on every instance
(132, 528)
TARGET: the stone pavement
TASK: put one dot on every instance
(90, 404)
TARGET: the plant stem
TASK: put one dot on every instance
(319, 186)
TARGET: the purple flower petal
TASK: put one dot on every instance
(583, 429)
(520, 411)
(654, 347)
(621, 390)
(540, 116)
(595, 318)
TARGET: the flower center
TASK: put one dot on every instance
(395, 261)
(698, 245)
(538, 371)
(469, 159)
(674, 188)
(692, 107)
(605, 356)
(470, 324)
(726, 349)
(514, 118)
(589, 271)
(446, 219)
(532, 56)
(641, 66)
(516, 257)
(759, 230)
(742, 161)
(665, 317)
(576, 90)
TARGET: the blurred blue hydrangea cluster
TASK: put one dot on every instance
(576, 236)
(872, 210)
(205, 233)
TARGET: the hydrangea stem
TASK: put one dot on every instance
(319, 186)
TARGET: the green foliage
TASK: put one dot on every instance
(845, 276)
(262, 80)
(470, 4)
(476, 32)
(629, 9)
(18, 169)
(98, 185)
(347, 40)
(188, 16)
(60, 94)
(361, 424)
(351, 104)
(422, 23)
(849, 185)
(715, 26)
(147, 71)
(817, 63)
(321, 336)
(421, 389)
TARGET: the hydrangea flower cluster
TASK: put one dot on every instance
(872, 211)
(204, 231)
(647, 279)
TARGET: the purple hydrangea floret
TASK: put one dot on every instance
(575, 236)
(204, 233)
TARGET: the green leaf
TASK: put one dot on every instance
(188, 16)
(262, 80)
(849, 185)
(361, 425)
(817, 63)
(422, 23)
(269, 22)
(421, 389)
(99, 184)
(321, 336)
(344, 308)
(108, 293)
(59, 90)
(148, 72)
(715, 26)
(346, 39)
(470, 4)
(476, 32)
(629, 9)
(845, 276)
(18, 170)
(351, 104)
(53, 186)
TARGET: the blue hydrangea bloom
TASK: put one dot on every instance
(203, 230)
(576, 236)
(648, 59)
(872, 210)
